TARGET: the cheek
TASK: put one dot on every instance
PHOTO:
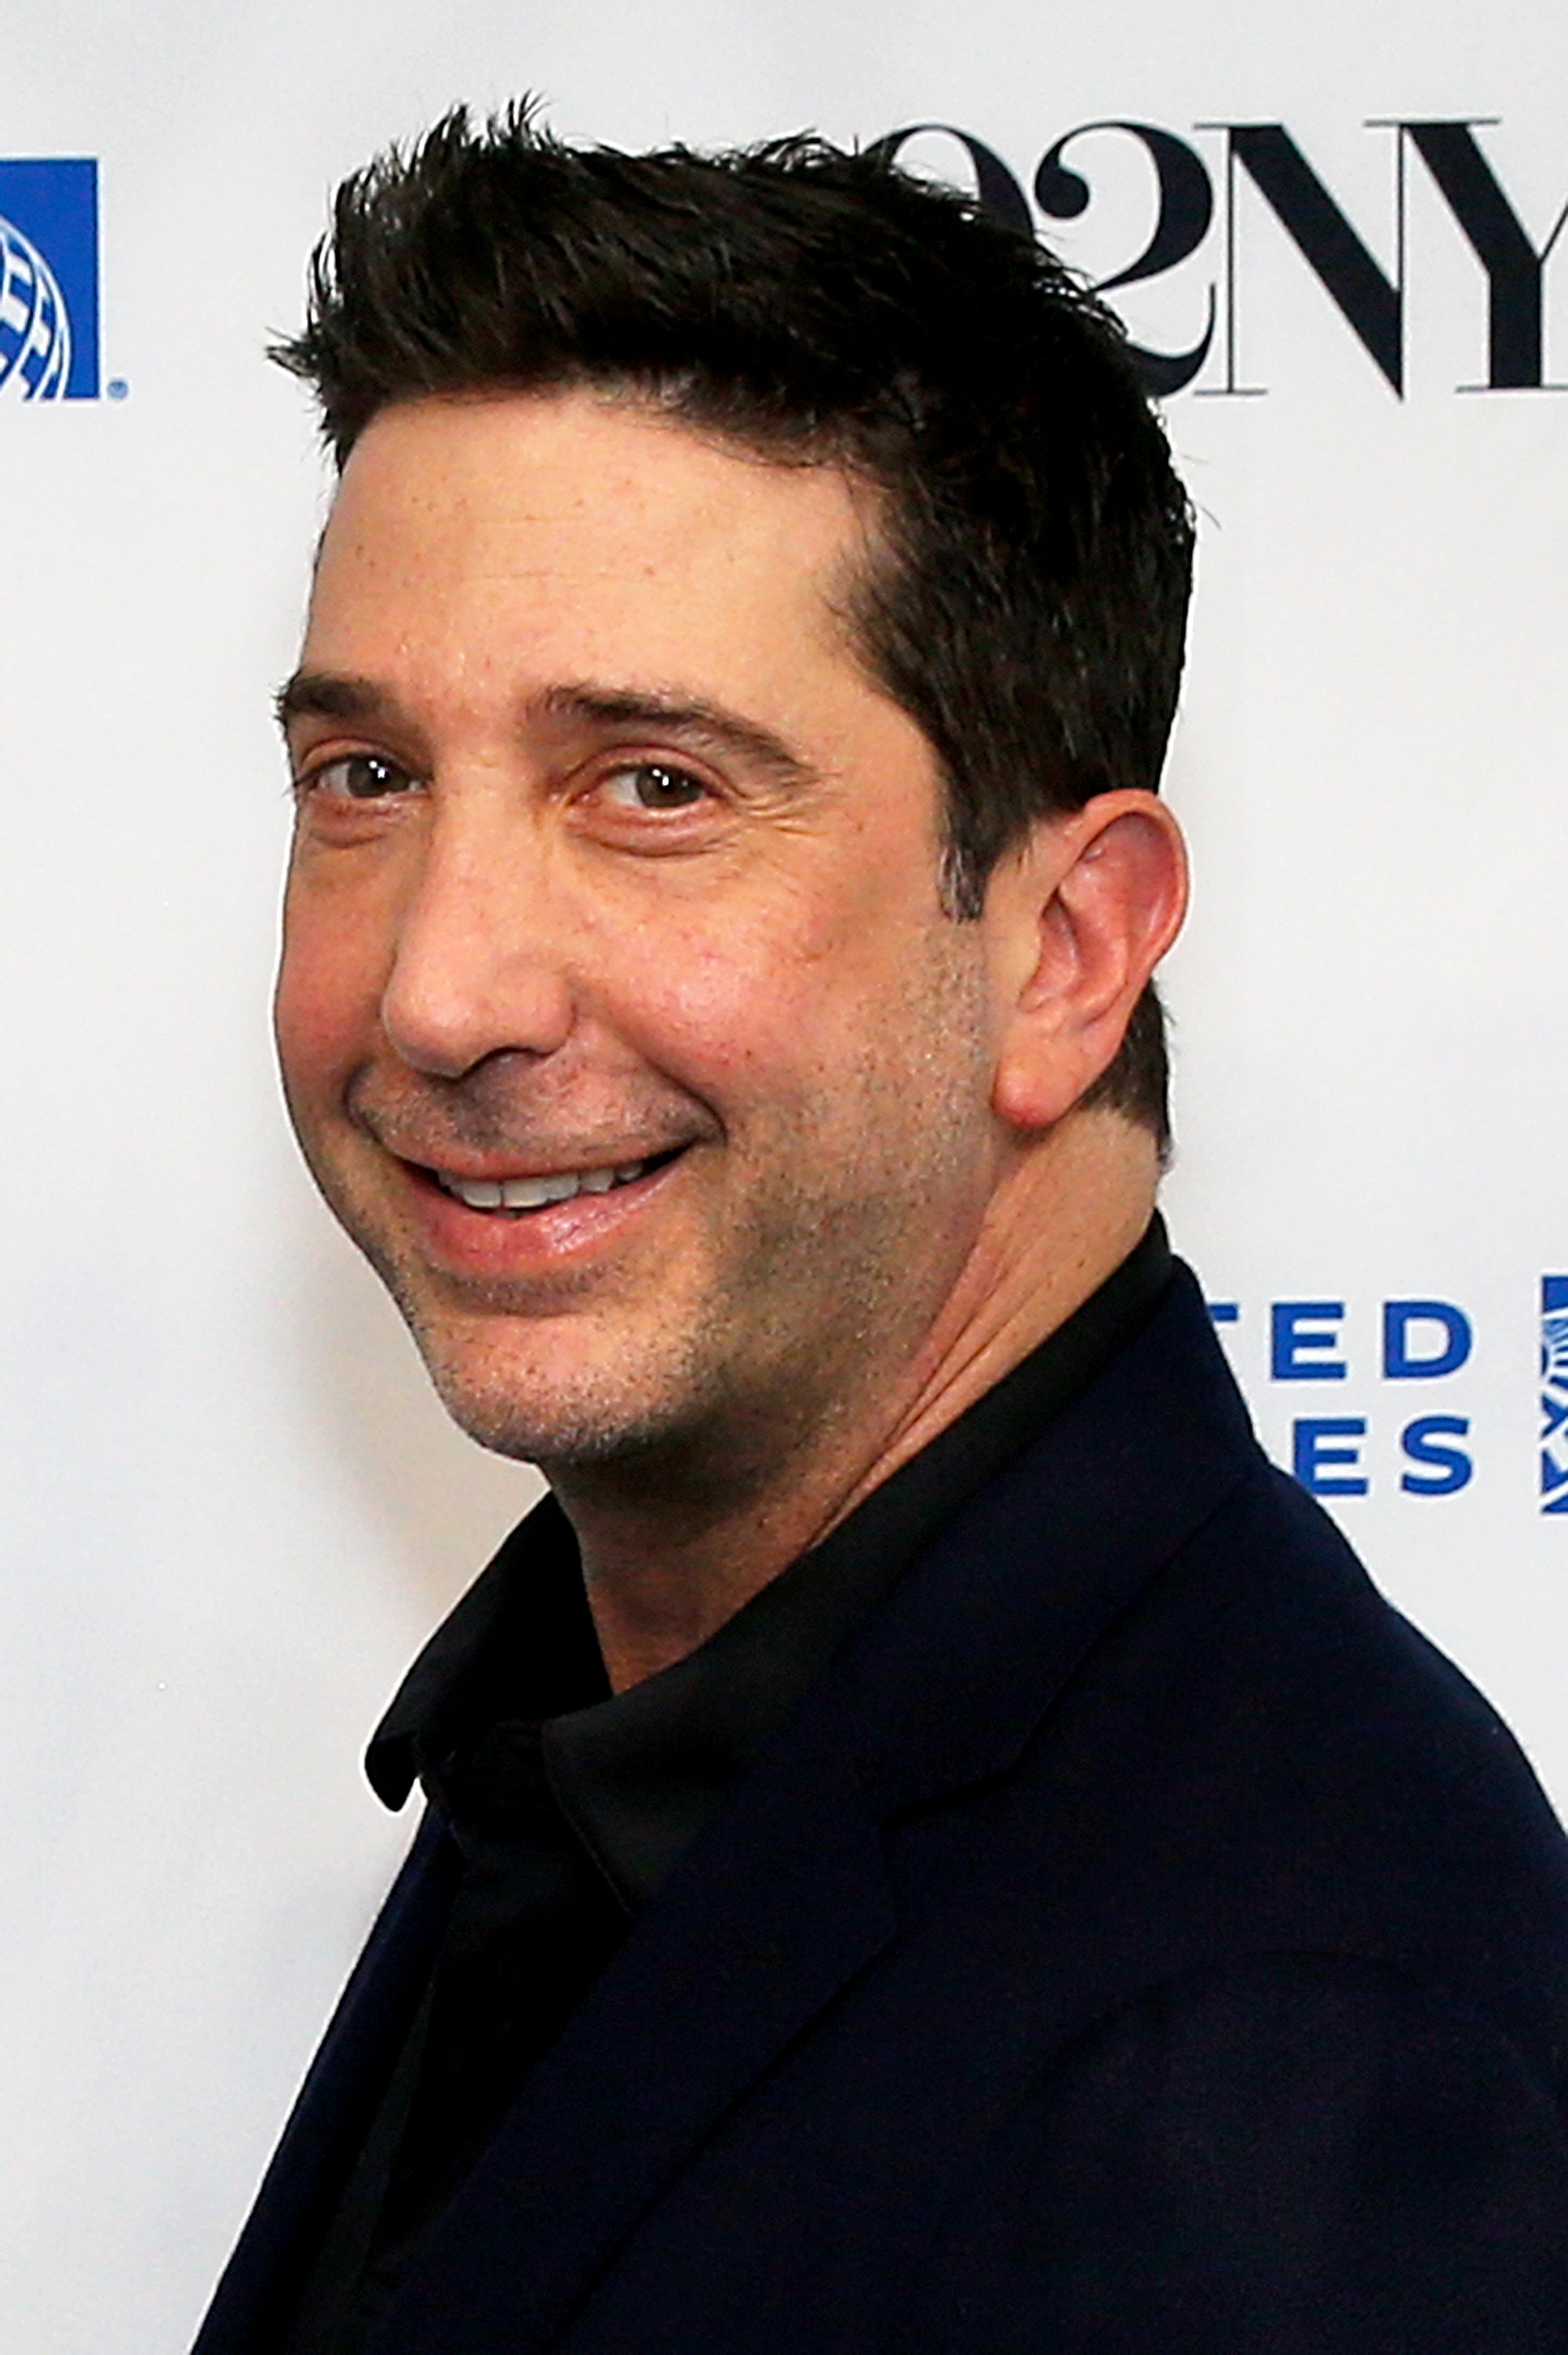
(751, 1002)
(765, 1022)
(328, 995)
(718, 1025)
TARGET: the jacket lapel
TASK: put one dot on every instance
(777, 1908)
(948, 1686)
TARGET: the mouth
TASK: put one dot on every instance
(517, 1198)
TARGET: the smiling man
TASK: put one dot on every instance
(930, 1843)
(624, 1024)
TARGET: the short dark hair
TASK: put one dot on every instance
(1029, 608)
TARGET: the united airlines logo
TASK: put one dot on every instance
(1374, 1398)
(48, 279)
(1555, 1393)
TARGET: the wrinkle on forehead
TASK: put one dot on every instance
(580, 499)
(864, 499)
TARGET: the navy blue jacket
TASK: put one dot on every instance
(1140, 1943)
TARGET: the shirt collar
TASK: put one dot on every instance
(640, 1772)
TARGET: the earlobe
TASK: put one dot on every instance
(1083, 913)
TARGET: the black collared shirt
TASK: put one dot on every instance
(569, 1805)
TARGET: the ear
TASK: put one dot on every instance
(1078, 918)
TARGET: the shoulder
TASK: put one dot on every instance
(1289, 1766)
(1250, 1753)
(1140, 1713)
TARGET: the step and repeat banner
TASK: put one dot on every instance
(231, 1509)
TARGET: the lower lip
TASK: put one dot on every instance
(502, 1242)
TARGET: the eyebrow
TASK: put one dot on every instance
(679, 714)
(332, 694)
(360, 702)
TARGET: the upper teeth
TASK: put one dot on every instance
(533, 1193)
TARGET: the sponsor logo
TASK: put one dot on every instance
(1418, 1352)
(49, 279)
(1201, 196)
(1555, 1393)
(1418, 1341)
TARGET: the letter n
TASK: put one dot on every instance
(1369, 301)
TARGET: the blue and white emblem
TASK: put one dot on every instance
(35, 325)
(1555, 1393)
(49, 279)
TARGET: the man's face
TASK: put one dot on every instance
(620, 1019)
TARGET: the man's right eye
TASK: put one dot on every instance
(357, 777)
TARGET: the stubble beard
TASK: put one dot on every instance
(804, 1302)
(770, 1346)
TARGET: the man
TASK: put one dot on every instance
(931, 1844)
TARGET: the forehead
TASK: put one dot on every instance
(585, 531)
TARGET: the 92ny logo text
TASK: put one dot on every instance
(1203, 188)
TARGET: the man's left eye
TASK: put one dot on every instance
(358, 777)
(653, 785)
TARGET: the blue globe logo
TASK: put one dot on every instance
(1554, 1351)
(35, 325)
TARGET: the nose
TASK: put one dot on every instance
(476, 968)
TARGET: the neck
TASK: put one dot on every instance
(672, 1551)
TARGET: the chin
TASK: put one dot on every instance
(564, 1436)
(587, 1415)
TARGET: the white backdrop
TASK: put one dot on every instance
(230, 1510)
